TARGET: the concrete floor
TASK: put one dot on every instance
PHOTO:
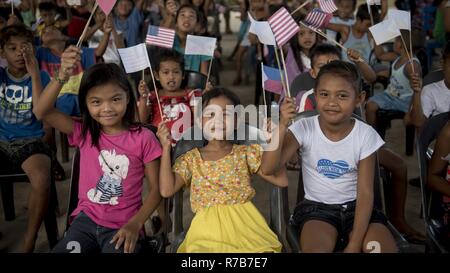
(12, 231)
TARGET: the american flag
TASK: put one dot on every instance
(283, 26)
(160, 36)
(328, 6)
(317, 19)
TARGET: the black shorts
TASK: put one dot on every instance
(340, 216)
(14, 153)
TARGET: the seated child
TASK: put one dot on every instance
(338, 163)
(21, 145)
(116, 153)
(219, 177)
(398, 94)
(439, 174)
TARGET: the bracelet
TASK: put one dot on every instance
(60, 81)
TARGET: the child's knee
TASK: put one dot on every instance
(379, 239)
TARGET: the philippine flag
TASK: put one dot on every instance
(271, 79)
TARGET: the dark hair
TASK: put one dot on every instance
(297, 48)
(354, 3)
(324, 49)
(165, 55)
(47, 6)
(101, 74)
(341, 69)
(363, 13)
(446, 52)
(15, 31)
(190, 6)
(219, 92)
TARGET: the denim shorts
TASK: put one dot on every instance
(340, 216)
(14, 153)
(85, 236)
(389, 102)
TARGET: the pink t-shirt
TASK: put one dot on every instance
(110, 184)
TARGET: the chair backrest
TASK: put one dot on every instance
(433, 77)
(301, 82)
(73, 190)
(194, 80)
(429, 132)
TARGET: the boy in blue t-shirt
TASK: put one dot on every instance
(21, 145)
(128, 20)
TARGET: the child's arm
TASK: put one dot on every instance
(279, 179)
(118, 38)
(438, 165)
(344, 30)
(169, 182)
(383, 55)
(107, 28)
(98, 25)
(366, 71)
(143, 109)
(139, 4)
(417, 116)
(44, 106)
(384, 9)
(280, 147)
(32, 67)
(129, 233)
(364, 203)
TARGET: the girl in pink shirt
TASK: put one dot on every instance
(115, 155)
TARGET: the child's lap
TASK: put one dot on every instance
(14, 153)
(388, 102)
(85, 236)
(340, 216)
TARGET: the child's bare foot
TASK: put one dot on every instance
(411, 235)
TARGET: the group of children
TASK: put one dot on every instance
(59, 85)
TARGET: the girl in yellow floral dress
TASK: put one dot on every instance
(219, 177)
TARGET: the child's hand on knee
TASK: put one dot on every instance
(128, 236)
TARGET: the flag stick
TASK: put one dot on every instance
(156, 92)
(263, 91)
(301, 6)
(279, 69)
(285, 73)
(410, 46)
(12, 7)
(94, 9)
(407, 53)
(209, 72)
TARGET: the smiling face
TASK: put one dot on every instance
(187, 20)
(12, 52)
(218, 119)
(170, 75)
(336, 98)
(107, 105)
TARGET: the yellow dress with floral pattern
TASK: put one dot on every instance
(225, 219)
